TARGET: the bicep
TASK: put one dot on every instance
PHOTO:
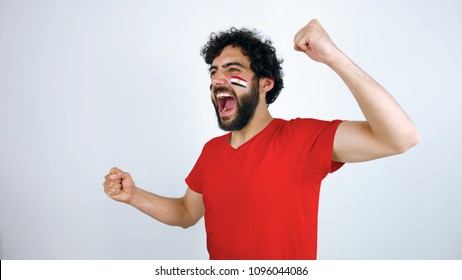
(355, 142)
(194, 205)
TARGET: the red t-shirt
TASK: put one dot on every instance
(261, 199)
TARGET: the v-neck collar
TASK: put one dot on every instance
(255, 137)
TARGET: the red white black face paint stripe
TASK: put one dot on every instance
(238, 81)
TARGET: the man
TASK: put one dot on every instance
(258, 186)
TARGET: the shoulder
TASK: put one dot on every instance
(307, 124)
(217, 142)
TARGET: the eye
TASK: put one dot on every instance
(212, 73)
(233, 70)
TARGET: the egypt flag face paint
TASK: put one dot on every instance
(238, 81)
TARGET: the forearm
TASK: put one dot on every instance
(170, 211)
(386, 120)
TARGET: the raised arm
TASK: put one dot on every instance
(184, 212)
(387, 129)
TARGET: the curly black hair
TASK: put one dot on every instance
(262, 54)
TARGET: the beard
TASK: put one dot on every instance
(246, 106)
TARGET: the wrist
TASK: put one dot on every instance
(135, 197)
(336, 59)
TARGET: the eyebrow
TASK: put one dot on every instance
(226, 65)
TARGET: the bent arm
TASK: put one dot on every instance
(387, 129)
(184, 212)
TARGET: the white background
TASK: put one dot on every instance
(87, 85)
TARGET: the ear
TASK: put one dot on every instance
(266, 84)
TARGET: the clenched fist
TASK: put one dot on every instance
(119, 185)
(315, 42)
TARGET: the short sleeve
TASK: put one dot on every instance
(325, 142)
(314, 141)
(194, 179)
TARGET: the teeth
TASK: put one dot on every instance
(223, 95)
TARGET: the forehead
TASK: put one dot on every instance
(230, 53)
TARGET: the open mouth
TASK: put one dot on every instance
(226, 103)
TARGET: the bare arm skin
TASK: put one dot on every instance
(184, 212)
(387, 129)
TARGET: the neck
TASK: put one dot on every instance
(259, 121)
